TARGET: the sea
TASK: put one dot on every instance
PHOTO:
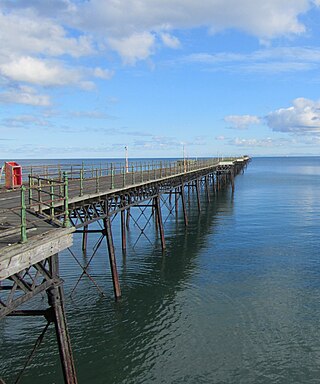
(234, 298)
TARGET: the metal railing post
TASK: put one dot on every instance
(23, 216)
(112, 177)
(39, 195)
(51, 200)
(97, 181)
(66, 220)
(30, 187)
(81, 182)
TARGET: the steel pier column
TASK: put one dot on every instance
(112, 258)
(198, 195)
(184, 208)
(123, 231)
(56, 302)
(159, 220)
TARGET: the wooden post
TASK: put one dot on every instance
(112, 258)
(159, 220)
(56, 302)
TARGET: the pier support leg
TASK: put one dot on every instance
(176, 201)
(112, 258)
(123, 231)
(198, 194)
(232, 180)
(184, 208)
(56, 302)
(128, 218)
(85, 238)
(128, 214)
(159, 221)
(207, 188)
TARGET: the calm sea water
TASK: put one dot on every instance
(234, 299)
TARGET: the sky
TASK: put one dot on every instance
(87, 78)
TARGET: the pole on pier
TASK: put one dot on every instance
(184, 208)
(159, 220)
(112, 258)
(56, 302)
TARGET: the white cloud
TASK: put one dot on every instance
(35, 71)
(46, 73)
(130, 27)
(263, 19)
(24, 95)
(269, 60)
(241, 121)
(254, 142)
(103, 73)
(32, 48)
(26, 33)
(138, 46)
(170, 41)
(25, 121)
(302, 117)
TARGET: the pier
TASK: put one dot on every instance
(38, 220)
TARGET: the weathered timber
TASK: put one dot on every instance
(18, 257)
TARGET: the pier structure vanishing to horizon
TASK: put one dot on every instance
(38, 220)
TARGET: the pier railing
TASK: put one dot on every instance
(90, 179)
(44, 198)
(39, 205)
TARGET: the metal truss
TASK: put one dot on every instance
(22, 286)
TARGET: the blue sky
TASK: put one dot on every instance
(82, 79)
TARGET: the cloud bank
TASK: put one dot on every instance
(303, 117)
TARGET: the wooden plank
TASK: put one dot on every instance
(21, 256)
